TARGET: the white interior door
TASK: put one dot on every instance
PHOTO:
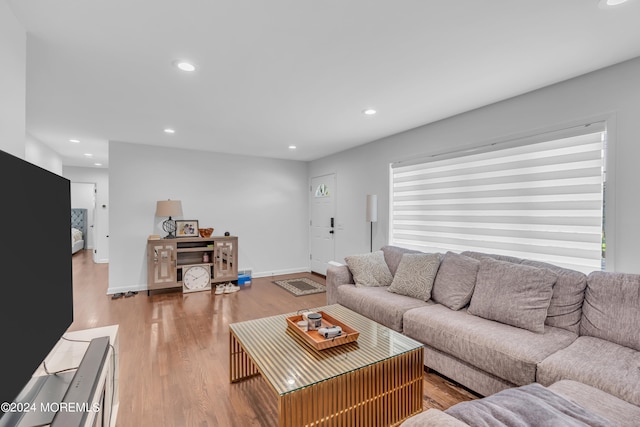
(323, 208)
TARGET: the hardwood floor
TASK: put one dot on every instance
(174, 367)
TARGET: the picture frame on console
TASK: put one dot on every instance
(187, 228)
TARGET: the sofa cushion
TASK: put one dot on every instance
(502, 350)
(598, 363)
(514, 294)
(611, 309)
(480, 255)
(393, 256)
(565, 308)
(415, 274)
(619, 412)
(433, 417)
(455, 280)
(369, 269)
(378, 304)
(523, 406)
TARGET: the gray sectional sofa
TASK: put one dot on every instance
(493, 322)
(594, 408)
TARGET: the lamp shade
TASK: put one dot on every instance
(372, 208)
(169, 208)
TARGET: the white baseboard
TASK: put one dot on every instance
(123, 289)
(279, 272)
(143, 288)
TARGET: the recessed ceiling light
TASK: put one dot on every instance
(369, 112)
(97, 164)
(604, 4)
(88, 155)
(169, 130)
(184, 66)
(75, 141)
(292, 147)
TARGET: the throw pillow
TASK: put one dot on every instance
(515, 294)
(369, 269)
(415, 274)
(455, 280)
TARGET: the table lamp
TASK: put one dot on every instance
(169, 208)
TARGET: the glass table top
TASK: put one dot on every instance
(288, 363)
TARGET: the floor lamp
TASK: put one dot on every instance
(372, 213)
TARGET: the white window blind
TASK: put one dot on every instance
(538, 198)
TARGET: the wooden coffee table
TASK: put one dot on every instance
(376, 380)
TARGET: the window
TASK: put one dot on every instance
(539, 198)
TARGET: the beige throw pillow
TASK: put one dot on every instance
(415, 274)
(515, 294)
(369, 269)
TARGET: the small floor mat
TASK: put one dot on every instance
(301, 286)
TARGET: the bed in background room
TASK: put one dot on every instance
(78, 229)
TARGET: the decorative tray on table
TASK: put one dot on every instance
(317, 341)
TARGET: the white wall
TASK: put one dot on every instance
(262, 201)
(99, 177)
(612, 93)
(13, 45)
(36, 152)
(13, 81)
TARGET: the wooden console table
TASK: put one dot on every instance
(167, 257)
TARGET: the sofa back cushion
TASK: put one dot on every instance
(565, 309)
(393, 256)
(455, 280)
(611, 309)
(480, 255)
(514, 294)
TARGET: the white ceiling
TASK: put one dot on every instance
(271, 73)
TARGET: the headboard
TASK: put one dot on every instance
(79, 221)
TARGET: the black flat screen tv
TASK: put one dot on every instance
(36, 295)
